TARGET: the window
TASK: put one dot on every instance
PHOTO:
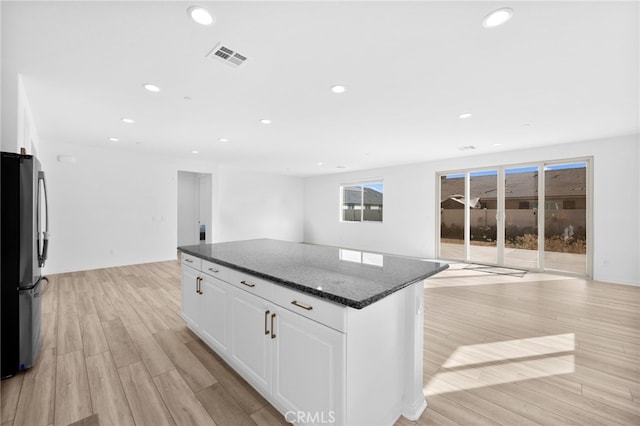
(362, 201)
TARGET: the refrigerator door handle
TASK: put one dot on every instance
(31, 287)
(42, 254)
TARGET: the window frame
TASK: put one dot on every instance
(362, 183)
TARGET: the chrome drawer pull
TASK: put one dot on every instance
(300, 305)
(188, 260)
(266, 315)
(213, 270)
(247, 284)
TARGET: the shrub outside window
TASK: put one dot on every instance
(362, 201)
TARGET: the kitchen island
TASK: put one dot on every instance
(325, 334)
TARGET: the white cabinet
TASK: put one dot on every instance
(214, 312)
(316, 361)
(295, 360)
(204, 305)
(308, 363)
(250, 344)
(190, 282)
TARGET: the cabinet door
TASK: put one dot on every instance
(250, 347)
(213, 312)
(190, 296)
(309, 362)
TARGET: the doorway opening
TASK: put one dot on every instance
(194, 208)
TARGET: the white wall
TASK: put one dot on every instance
(205, 206)
(258, 205)
(188, 196)
(111, 208)
(409, 226)
(18, 126)
(27, 131)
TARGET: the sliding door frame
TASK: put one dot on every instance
(500, 213)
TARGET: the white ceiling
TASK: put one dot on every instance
(557, 72)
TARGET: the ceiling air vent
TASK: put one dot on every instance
(467, 148)
(226, 55)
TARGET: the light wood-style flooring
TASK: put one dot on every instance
(540, 349)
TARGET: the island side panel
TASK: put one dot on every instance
(376, 342)
(414, 403)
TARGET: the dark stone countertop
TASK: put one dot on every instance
(347, 277)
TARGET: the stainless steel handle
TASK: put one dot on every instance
(199, 285)
(300, 305)
(42, 251)
(188, 260)
(247, 284)
(214, 270)
(273, 335)
(266, 315)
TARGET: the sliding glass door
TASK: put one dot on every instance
(565, 217)
(452, 217)
(521, 217)
(533, 216)
(483, 190)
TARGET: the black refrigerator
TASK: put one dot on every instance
(24, 236)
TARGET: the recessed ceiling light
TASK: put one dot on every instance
(497, 17)
(114, 140)
(320, 164)
(265, 121)
(151, 87)
(338, 88)
(195, 152)
(497, 144)
(465, 115)
(526, 125)
(200, 15)
(223, 140)
(128, 120)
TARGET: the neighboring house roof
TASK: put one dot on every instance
(564, 183)
(371, 196)
(457, 199)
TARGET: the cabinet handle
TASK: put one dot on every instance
(188, 260)
(273, 335)
(213, 270)
(300, 305)
(266, 314)
(197, 285)
(247, 284)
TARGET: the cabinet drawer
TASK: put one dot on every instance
(191, 261)
(322, 311)
(250, 283)
(218, 271)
